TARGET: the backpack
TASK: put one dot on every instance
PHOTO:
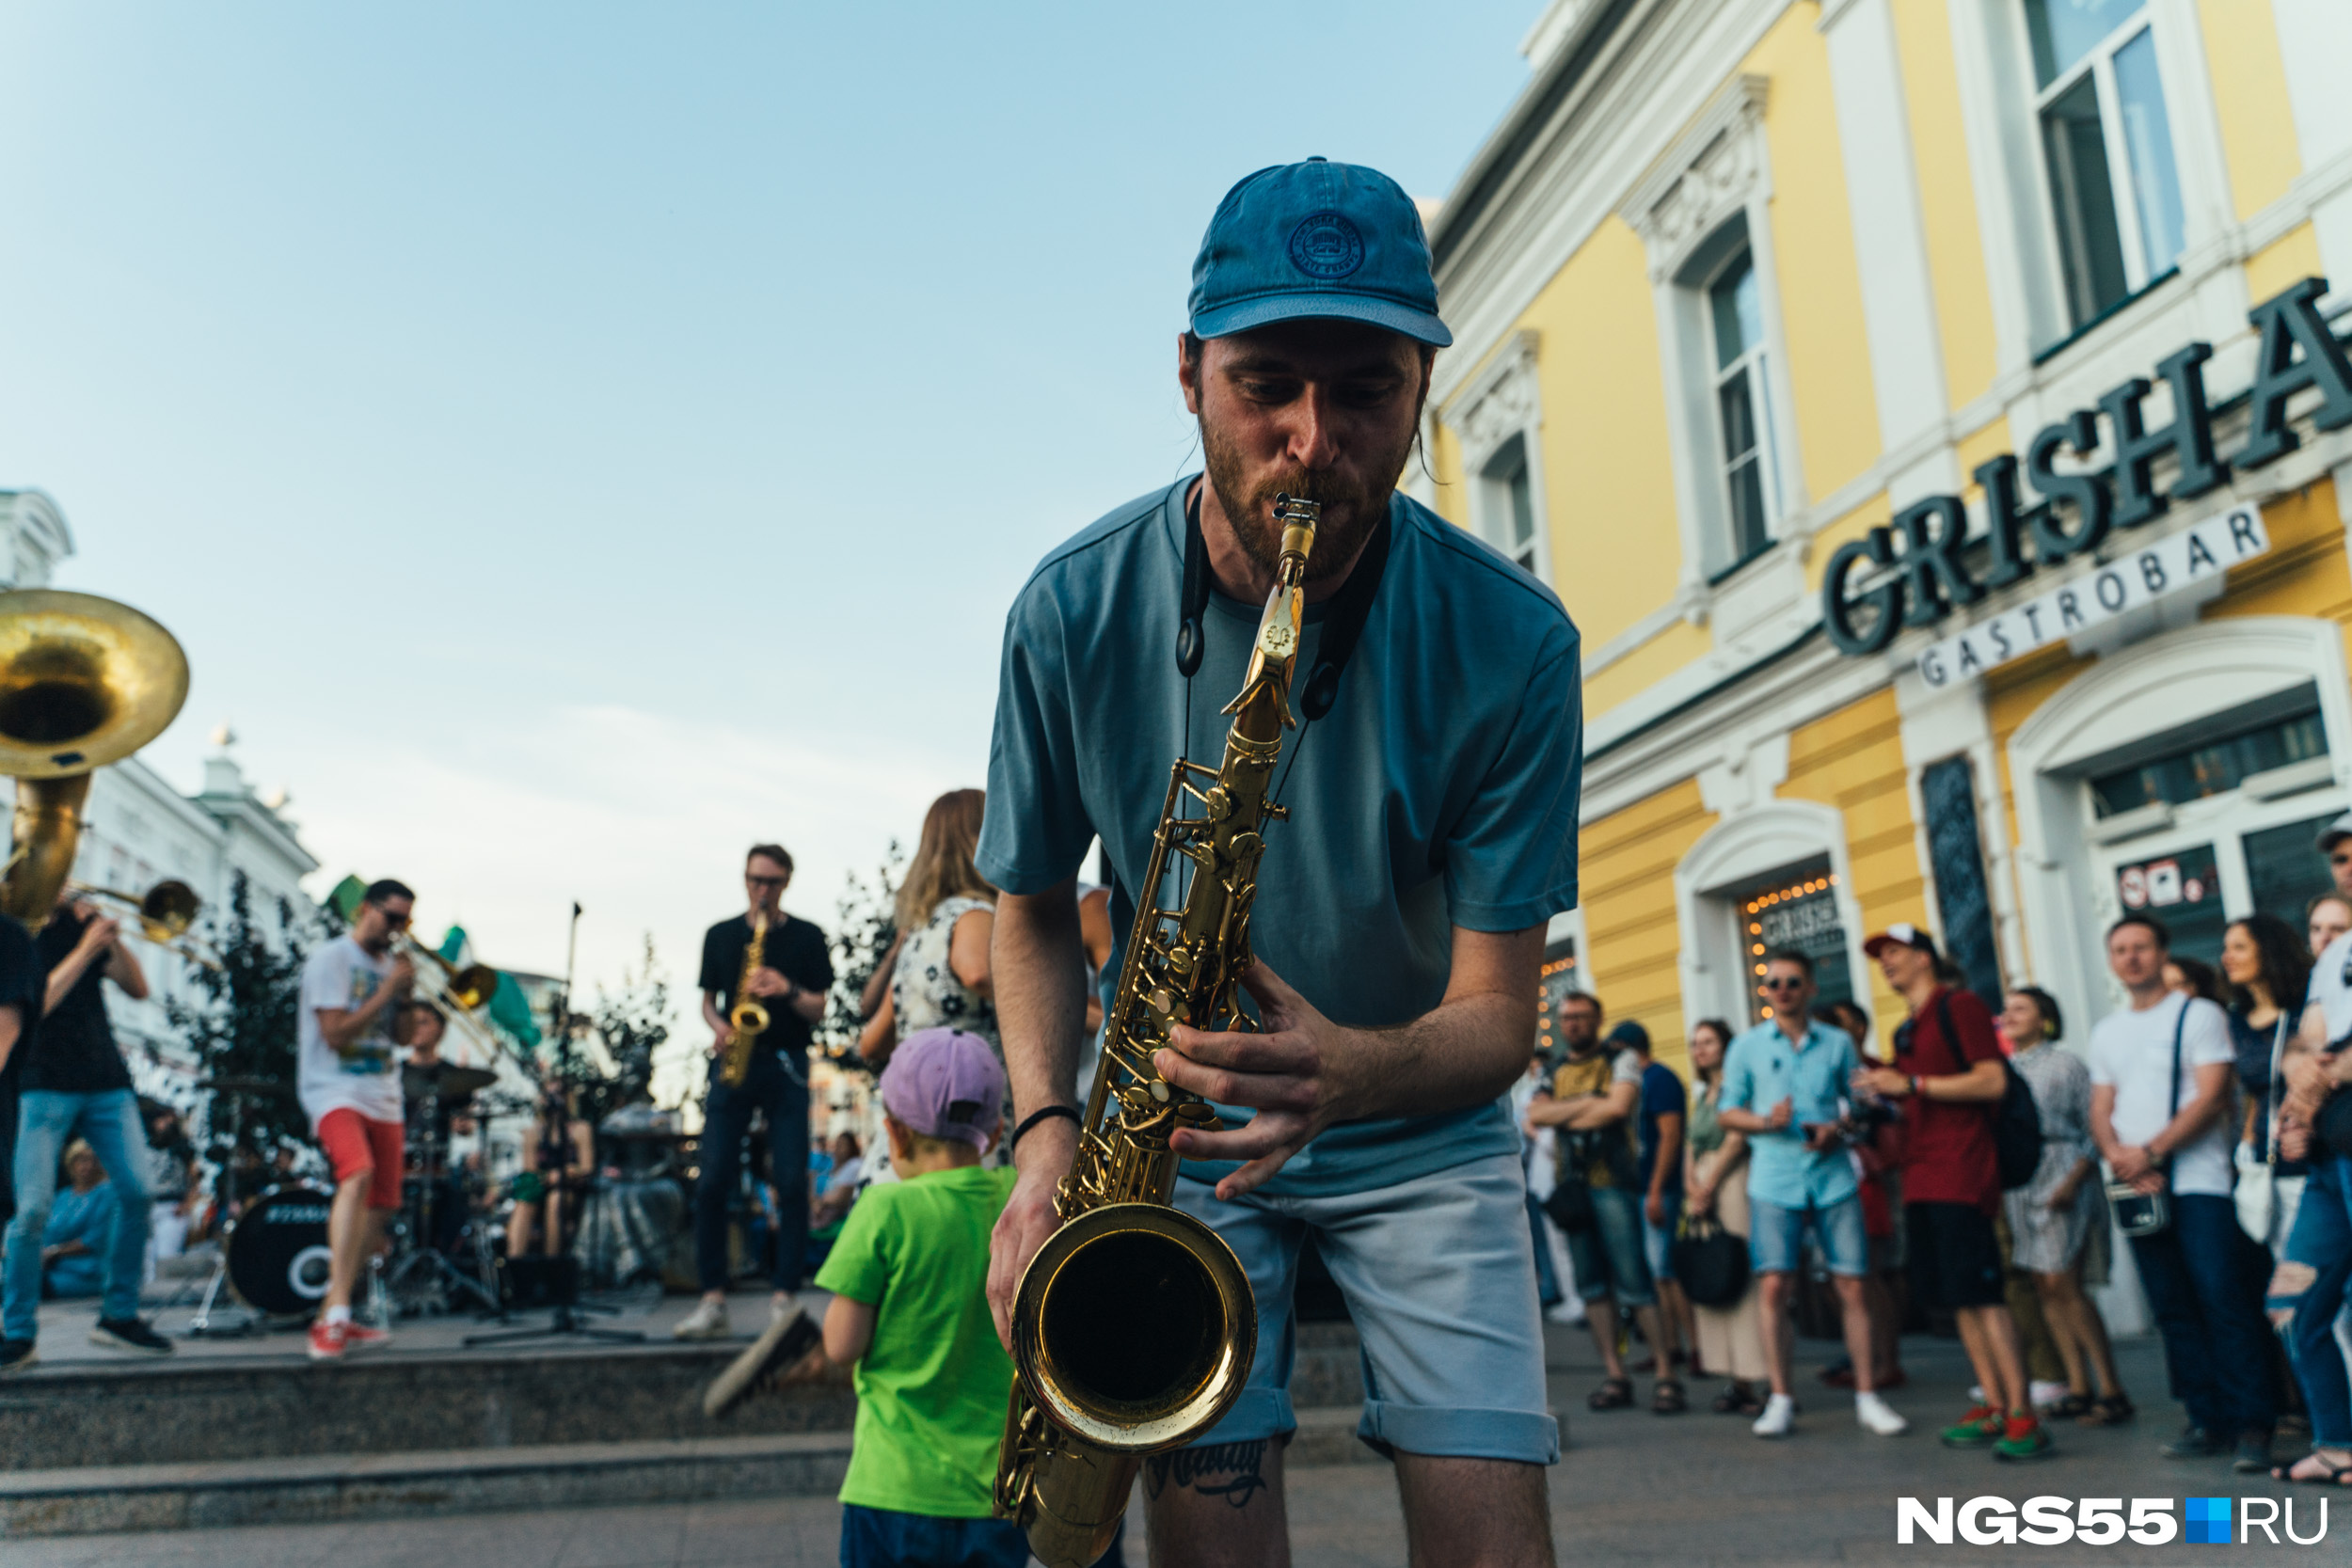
(2016, 1119)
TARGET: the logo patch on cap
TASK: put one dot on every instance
(1327, 245)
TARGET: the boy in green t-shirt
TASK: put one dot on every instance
(909, 1313)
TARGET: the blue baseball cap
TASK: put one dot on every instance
(1317, 239)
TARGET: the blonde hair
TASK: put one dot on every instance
(942, 868)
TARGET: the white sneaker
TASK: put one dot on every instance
(708, 1321)
(1877, 1416)
(2045, 1393)
(1779, 1417)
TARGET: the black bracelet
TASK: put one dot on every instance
(1034, 1117)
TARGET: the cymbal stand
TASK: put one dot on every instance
(225, 1198)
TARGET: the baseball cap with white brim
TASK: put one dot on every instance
(1901, 934)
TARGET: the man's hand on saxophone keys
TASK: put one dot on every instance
(1290, 1074)
(1044, 1157)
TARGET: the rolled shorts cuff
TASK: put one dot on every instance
(1259, 1415)
(1521, 1436)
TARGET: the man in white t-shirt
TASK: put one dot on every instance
(350, 1089)
(2308, 1292)
(2167, 1131)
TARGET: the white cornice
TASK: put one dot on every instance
(1498, 403)
(1636, 98)
(1710, 172)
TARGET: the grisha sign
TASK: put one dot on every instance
(2073, 512)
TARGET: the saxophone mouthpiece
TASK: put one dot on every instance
(1298, 517)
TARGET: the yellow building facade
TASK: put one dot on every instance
(1932, 414)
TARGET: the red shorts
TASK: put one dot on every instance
(357, 1146)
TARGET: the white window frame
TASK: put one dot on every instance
(1510, 465)
(1993, 55)
(1503, 406)
(1716, 175)
(1754, 363)
(2098, 63)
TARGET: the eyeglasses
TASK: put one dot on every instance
(396, 922)
(1785, 982)
(763, 882)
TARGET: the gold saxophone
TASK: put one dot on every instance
(748, 1019)
(1133, 1326)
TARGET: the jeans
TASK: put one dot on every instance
(882, 1538)
(1657, 1241)
(2318, 1258)
(46, 1123)
(1607, 1256)
(2217, 1345)
(726, 1118)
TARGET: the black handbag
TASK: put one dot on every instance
(1570, 1206)
(1710, 1262)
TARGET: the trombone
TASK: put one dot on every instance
(460, 994)
(166, 914)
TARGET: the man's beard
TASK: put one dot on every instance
(1350, 509)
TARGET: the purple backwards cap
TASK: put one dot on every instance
(945, 1083)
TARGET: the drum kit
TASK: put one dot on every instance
(446, 1247)
(445, 1244)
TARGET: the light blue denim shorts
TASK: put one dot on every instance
(1439, 1274)
(1777, 1236)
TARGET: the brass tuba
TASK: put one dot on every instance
(1133, 1326)
(84, 681)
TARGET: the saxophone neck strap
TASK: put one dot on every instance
(1343, 618)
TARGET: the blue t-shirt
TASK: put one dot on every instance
(1661, 1096)
(1439, 791)
(90, 1219)
(1762, 1067)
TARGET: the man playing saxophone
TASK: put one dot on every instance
(789, 981)
(1399, 912)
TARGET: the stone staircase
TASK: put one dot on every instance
(229, 1440)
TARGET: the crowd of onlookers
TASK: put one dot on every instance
(2206, 1121)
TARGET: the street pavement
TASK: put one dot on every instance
(1631, 1487)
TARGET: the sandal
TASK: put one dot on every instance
(1614, 1393)
(1737, 1401)
(1668, 1399)
(2334, 1478)
(2108, 1410)
(2072, 1408)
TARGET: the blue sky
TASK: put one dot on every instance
(574, 441)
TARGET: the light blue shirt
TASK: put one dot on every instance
(1765, 1066)
(1439, 791)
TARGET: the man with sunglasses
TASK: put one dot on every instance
(1784, 1085)
(349, 1085)
(794, 973)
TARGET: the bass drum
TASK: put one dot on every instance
(278, 1255)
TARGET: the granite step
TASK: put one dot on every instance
(314, 1488)
(228, 1408)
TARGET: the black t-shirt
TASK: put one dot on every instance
(795, 949)
(74, 1050)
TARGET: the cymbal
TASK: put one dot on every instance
(446, 1079)
(248, 1086)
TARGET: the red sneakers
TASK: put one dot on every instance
(327, 1339)
(358, 1336)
